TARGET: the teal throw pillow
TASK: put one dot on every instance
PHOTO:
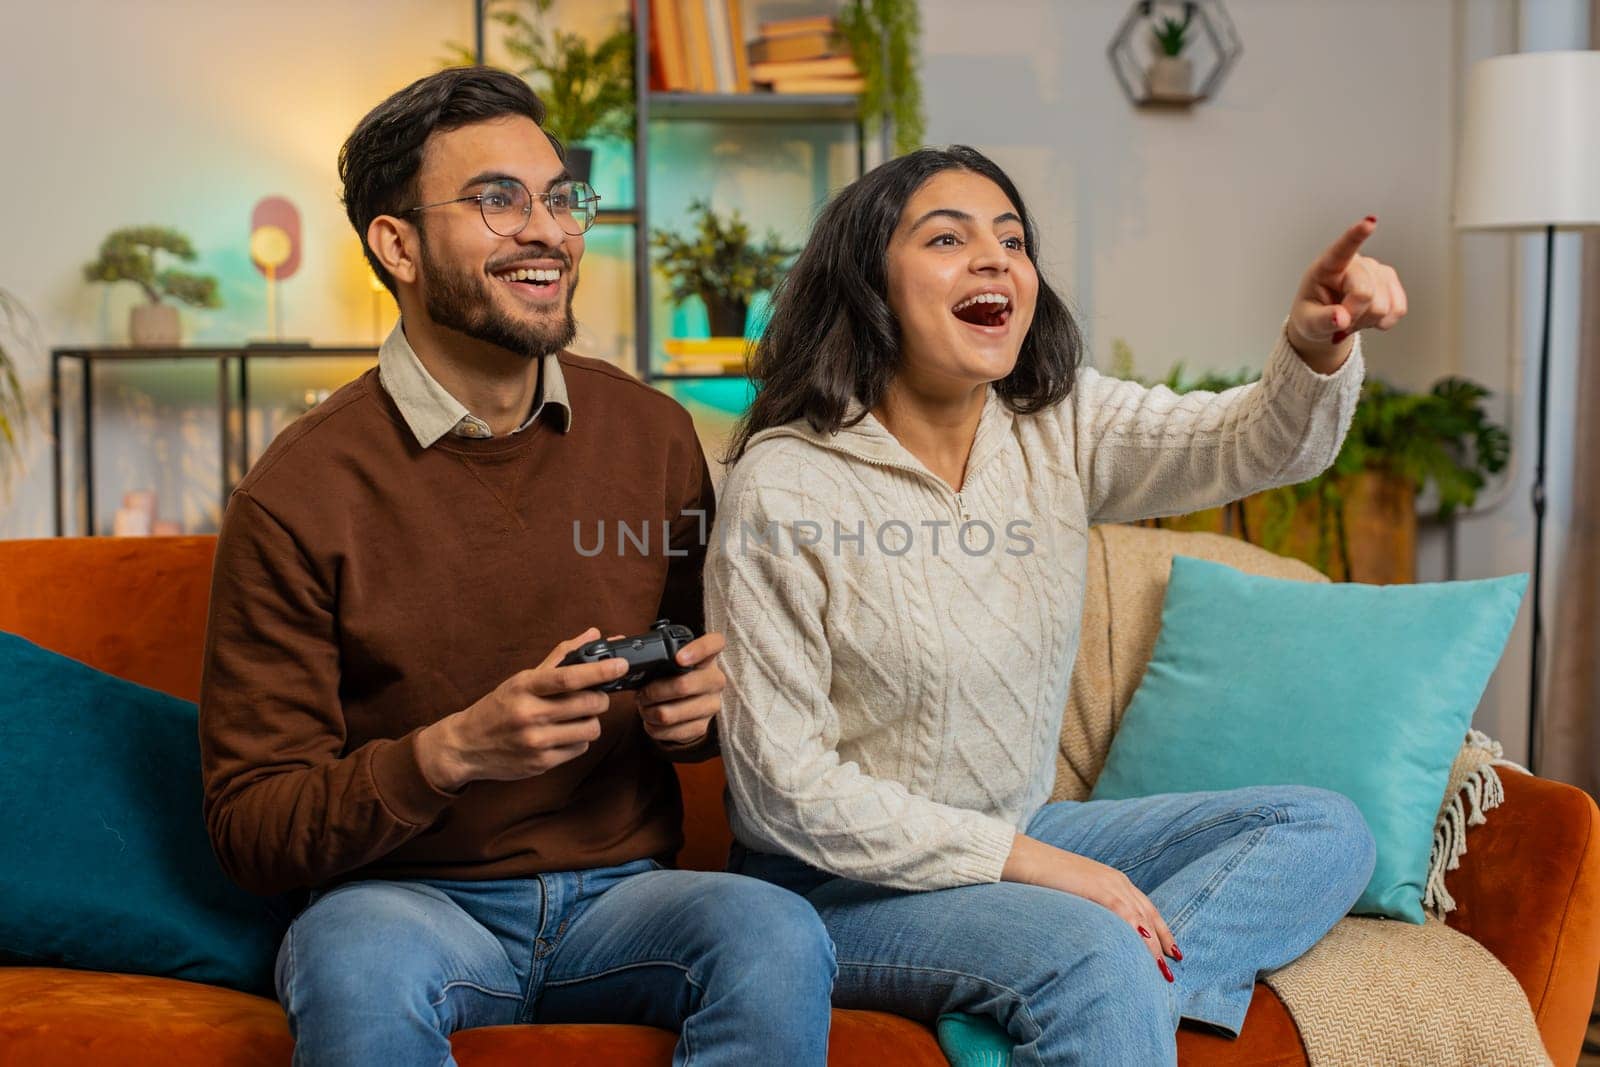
(104, 860)
(1367, 690)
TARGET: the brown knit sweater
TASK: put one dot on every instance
(366, 587)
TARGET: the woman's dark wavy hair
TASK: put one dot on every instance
(832, 337)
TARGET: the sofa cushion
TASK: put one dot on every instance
(1366, 690)
(107, 865)
(56, 1018)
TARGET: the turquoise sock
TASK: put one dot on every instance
(973, 1041)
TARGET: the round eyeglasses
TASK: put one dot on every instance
(506, 206)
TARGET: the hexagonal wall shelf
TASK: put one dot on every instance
(1194, 30)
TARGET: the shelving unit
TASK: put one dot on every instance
(233, 409)
(730, 108)
(701, 107)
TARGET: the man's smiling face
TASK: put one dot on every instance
(513, 292)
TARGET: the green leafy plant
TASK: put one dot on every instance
(1172, 35)
(1442, 439)
(720, 263)
(16, 331)
(129, 255)
(587, 89)
(883, 37)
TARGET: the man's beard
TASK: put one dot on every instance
(462, 301)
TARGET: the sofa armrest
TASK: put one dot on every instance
(1528, 890)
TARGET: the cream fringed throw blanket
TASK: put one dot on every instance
(1373, 991)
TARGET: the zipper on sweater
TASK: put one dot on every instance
(961, 508)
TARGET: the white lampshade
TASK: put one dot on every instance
(1530, 146)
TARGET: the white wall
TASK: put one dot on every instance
(1185, 232)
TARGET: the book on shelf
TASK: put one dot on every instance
(697, 45)
(705, 347)
(703, 370)
(804, 24)
(700, 46)
(705, 355)
(736, 44)
(796, 46)
(726, 78)
(823, 86)
(666, 46)
(830, 67)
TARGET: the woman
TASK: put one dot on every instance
(898, 567)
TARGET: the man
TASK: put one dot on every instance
(384, 719)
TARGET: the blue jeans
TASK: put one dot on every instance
(1247, 880)
(381, 972)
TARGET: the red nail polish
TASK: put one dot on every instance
(1175, 953)
(1340, 336)
(1144, 933)
(1372, 218)
(1165, 971)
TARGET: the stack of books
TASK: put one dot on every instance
(699, 46)
(705, 355)
(803, 55)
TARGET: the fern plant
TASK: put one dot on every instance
(884, 39)
(587, 90)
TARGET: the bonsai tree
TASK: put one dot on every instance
(587, 90)
(130, 256)
(719, 263)
(16, 328)
(883, 40)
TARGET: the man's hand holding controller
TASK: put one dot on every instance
(538, 719)
(533, 722)
(678, 710)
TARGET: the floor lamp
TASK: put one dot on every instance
(1530, 160)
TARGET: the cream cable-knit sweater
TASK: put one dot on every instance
(895, 688)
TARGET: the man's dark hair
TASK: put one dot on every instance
(379, 162)
(832, 336)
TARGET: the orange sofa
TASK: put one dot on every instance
(1529, 890)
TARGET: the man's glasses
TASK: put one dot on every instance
(507, 205)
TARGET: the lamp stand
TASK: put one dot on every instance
(1539, 505)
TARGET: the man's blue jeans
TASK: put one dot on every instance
(380, 973)
(1247, 880)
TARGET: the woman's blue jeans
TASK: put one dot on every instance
(381, 972)
(1247, 880)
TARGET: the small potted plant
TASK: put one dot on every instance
(129, 255)
(719, 263)
(1170, 75)
(587, 90)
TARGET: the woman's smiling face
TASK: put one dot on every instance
(960, 282)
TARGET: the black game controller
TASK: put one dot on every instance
(650, 656)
